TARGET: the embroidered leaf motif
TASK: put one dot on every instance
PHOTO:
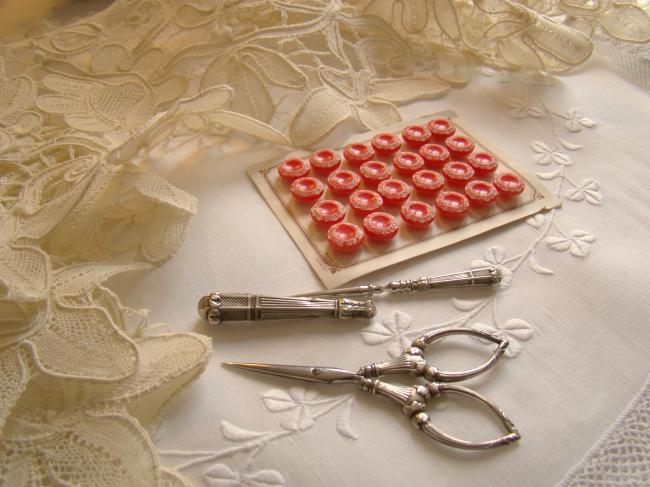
(235, 433)
(535, 265)
(277, 400)
(518, 328)
(569, 145)
(465, 304)
(536, 221)
(375, 333)
(402, 321)
(222, 472)
(267, 477)
(560, 244)
(547, 176)
(343, 425)
(581, 243)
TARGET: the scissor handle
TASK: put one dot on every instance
(411, 360)
(414, 399)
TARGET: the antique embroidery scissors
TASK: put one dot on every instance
(220, 307)
(413, 399)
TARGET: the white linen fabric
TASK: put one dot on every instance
(574, 305)
(103, 120)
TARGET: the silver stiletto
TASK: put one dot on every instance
(342, 303)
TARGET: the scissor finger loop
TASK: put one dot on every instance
(414, 399)
(412, 361)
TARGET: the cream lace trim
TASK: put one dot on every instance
(622, 456)
(83, 106)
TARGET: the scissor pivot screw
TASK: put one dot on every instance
(315, 371)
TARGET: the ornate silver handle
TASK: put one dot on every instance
(484, 276)
(412, 361)
(216, 308)
(415, 398)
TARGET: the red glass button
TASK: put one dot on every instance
(386, 143)
(365, 201)
(380, 226)
(451, 204)
(480, 193)
(307, 189)
(416, 135)
(417, 214)
(357, 154)
(345, 237)
(327, 212)
(509, 184)
(374, 172)
(428, 182)
(458, 173)
(459, 146)
(343, 182)
(408, 163)
(324, 161)
(292, 169)
(441, 129)
(394, 191)
(434, 155)
(483, 163)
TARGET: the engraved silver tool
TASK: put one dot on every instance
(413, 399)
(342, 303)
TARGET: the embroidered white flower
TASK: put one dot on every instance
(297, 402)
(301, 407)
(544, 155)
(578, 243)
(575, 121)
(515, 330)
(391, 328)
(586, 190)
(495, 256)
(521, 109)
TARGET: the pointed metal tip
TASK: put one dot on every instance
(238, 365)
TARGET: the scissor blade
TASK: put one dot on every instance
(300, 372)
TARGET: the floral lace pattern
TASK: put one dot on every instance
(82, 107)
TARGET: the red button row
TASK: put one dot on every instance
(436, 144)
